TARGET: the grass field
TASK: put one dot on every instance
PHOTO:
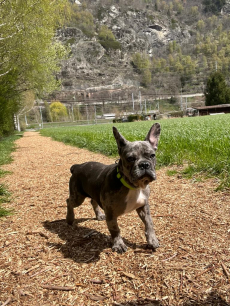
(200, 143)
(6, 147)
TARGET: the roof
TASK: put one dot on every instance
(213, 106)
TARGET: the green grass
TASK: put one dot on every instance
(172, 172)
(7, 145)
(202, 143)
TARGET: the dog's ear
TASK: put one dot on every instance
(154, 135)
(121, 141)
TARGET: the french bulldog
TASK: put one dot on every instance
(118, 188)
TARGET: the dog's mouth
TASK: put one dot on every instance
(144, 178)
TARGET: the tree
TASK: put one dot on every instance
(146, 78)
(8, 103)
(142, 65)
(47, 112)
(58, 111)
(200, 25)
(140, 61)
(213, 6)
(216, 91)
(29, 55)
(83, 19)
(25, 104)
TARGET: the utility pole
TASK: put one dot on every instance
(87, 114)
(133, 101)
(140, 101)
(181, 105)
(69, 112)
(72, 112)
(95, 109)
(145, 108)
(74, 98)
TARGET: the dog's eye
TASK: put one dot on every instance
(131, 159)
(152, 155)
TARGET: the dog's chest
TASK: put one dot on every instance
(134, 200)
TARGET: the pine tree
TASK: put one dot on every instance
(213, 6)
(216, 92)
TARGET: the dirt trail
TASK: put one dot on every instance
(38, 250)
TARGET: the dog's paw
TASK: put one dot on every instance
(70, 219)
(151, 247)
(119, 246)
(152, 242)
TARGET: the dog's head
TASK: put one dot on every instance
(137, 159)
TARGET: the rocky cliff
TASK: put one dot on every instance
(93, 71)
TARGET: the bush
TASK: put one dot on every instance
(82, 19)
(110, 44)
(58, 111)
(136, 117)
(23, 126)
(107, 39)
(172, 100)
(177, 114)
(118, 120)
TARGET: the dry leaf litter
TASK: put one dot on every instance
(43, 261)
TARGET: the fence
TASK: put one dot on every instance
(103, 112)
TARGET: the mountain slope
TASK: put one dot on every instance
(163, 46)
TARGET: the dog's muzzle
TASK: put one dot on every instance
(144, 172)
(144, 165)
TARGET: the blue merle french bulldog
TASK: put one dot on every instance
(118, 188)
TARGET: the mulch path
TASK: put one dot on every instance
(43, 261)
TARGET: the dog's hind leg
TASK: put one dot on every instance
(72, 202)
(99, 215)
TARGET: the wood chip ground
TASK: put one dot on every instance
(43, 261)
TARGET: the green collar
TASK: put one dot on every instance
(122, 180)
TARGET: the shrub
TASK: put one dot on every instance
(110, 44)
(58, 111)
(107, 39)
(135, 117)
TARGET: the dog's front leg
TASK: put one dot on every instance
(118, 243)
(144, 214)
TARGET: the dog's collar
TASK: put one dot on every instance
(122, 180)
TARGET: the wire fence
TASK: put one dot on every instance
(106, 112)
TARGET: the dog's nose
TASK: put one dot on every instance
(144, 165)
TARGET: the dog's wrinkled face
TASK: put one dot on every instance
(138, 157)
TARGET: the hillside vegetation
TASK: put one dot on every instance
(166, 46)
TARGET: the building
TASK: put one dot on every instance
(213, 109)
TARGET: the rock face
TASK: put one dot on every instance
(226, 9)
(90, 65)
